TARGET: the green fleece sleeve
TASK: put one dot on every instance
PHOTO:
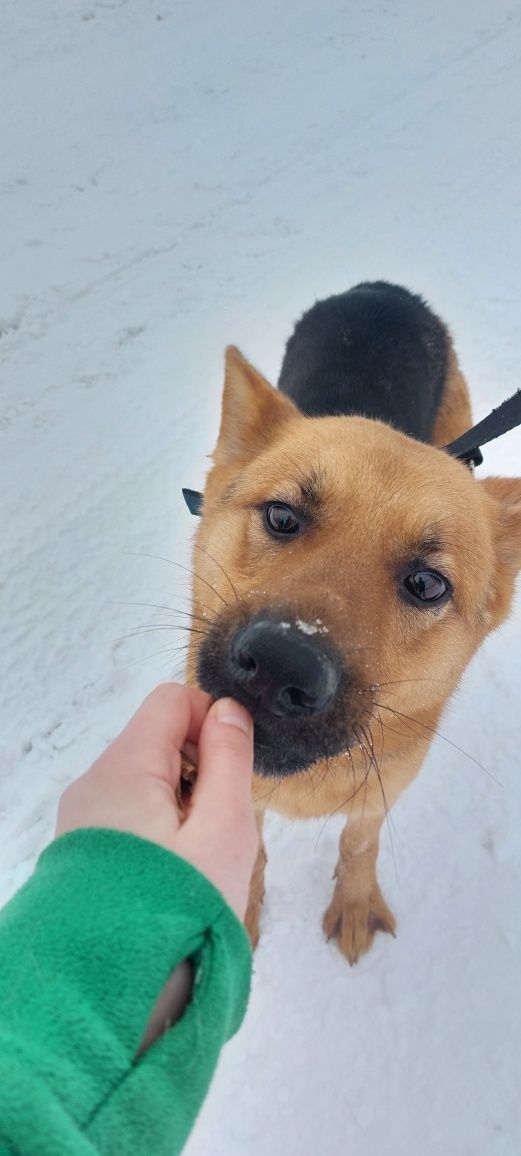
(85, 948)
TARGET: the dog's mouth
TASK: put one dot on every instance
(287, 750)
(305, 705)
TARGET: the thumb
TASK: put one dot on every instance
(225, 761)
(220, 834)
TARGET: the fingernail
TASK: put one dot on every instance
(226, 710)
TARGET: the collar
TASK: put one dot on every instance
(466, 448)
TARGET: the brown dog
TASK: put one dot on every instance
(347, 570)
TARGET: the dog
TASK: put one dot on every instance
(346, 570)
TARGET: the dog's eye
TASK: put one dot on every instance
(280, 519)
(424, 587)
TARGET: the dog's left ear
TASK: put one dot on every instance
(506, 493)
(252, 411)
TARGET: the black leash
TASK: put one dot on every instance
(466, 448)
(506, 417)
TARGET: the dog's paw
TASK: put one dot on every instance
(354, 923)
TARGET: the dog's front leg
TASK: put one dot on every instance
(256, 896)
(358, 910)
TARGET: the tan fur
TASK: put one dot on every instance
(454, 415)
(384, 491)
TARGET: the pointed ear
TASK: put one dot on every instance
(506, 493)
(252, 411)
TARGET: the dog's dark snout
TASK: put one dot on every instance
(283, 669)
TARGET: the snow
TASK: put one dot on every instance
(315, 627)
(176, 176)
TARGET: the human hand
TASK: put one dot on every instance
(132, 786)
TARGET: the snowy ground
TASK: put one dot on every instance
(177, 175)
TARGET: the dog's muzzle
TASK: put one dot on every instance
(290, 678)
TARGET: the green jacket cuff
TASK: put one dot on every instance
(85, 948)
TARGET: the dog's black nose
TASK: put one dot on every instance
(282, 669)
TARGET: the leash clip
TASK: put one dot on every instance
(472, 458)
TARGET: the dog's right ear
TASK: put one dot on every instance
(252, 411)
(506, 494)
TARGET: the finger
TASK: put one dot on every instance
(168, 718)
(223, 784)
(220, 835)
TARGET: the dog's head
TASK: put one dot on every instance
(344, 570)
